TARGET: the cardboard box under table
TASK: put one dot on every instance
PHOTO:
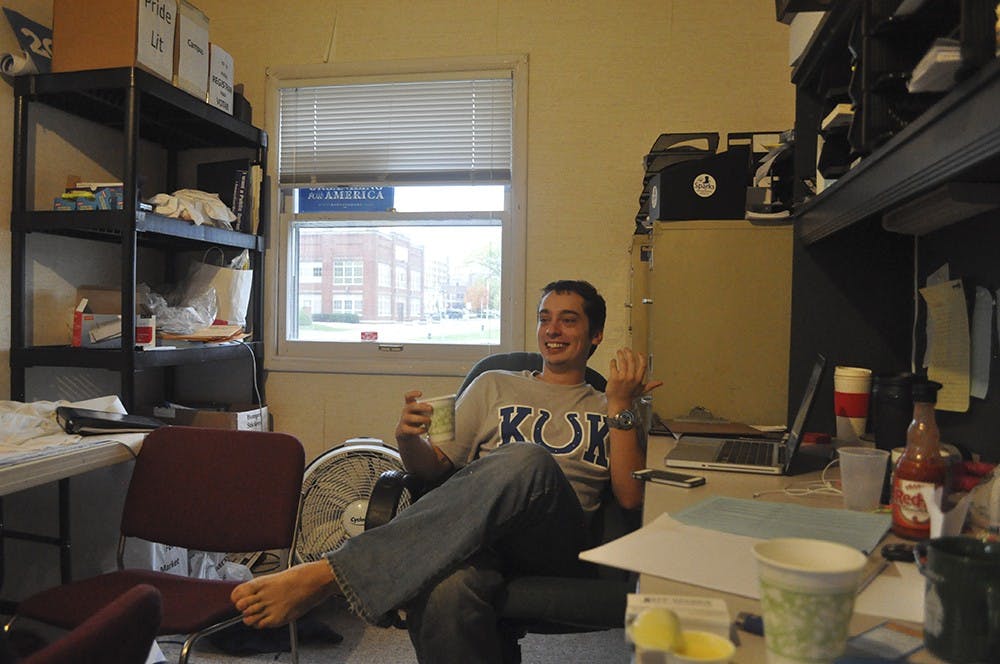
(101, 34)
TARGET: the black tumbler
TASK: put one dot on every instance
(891, 414)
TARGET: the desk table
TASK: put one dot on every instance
(54, 464)
(660, 498)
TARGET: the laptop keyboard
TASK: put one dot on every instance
(747, 452)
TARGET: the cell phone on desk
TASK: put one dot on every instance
(669, 477)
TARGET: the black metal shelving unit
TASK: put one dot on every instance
(855, 257)
(954, 140)
(142, 108)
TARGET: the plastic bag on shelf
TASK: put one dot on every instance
(185, 317)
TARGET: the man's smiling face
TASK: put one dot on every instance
(564, 337)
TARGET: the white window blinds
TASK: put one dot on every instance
(442, 132)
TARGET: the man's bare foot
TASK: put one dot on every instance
(276, 599)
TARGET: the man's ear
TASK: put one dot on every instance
(597, 338)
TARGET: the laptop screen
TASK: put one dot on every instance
(795, 433)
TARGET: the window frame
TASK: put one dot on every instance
(282, 354)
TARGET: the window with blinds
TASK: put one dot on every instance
(397, 133)
(396, 215)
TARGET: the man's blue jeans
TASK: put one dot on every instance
(443, 558)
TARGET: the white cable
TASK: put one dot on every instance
(820, 486)
(256, 388)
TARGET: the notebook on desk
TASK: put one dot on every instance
(748, 455)
(85, 421)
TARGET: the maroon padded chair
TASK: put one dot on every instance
(120, 633)
(213, 490)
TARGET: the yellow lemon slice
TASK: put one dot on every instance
(657, 629)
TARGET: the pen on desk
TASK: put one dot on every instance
(750, 623)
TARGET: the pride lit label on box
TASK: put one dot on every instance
(155, 36)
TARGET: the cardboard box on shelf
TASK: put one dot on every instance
(102, 299)
(100, 34)
(238, 416)
(92, 330)
(191, 50)
(97, 317)
(220, 78)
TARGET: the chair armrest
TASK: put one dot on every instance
(554, 605)
(383, 504)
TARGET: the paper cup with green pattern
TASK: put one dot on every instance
(807, 590)
(442, 428)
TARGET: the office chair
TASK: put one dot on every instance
(204, 489)
(537, 604)
(120, 633)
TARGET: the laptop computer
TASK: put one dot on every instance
(748, 455)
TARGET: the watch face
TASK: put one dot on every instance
(623, 420)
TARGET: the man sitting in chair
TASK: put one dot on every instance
(532, 453)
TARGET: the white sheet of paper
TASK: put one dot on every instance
(669, 549)
(938, 276)
(948, 363)
(982, 343)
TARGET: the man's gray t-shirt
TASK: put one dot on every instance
(502, 407)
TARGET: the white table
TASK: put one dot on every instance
(53, 464)
(56, 464)
(660, 499)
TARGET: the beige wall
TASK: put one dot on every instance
(605, 79)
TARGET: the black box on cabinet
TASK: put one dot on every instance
(711, 187)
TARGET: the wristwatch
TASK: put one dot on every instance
(625, 419)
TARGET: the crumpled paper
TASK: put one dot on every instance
(200, 207)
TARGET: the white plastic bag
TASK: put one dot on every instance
(155, 556)
(193, 205)
(232, 286)
(211, 565)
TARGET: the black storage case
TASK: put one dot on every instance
(705, 186)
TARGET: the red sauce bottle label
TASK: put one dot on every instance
(909, 509)
(910, 517)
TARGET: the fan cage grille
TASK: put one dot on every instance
(335, 491)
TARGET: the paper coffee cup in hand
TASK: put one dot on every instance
(442, 427)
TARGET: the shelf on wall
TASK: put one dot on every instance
(170, 116)
(956, 139)
(108, 225)
(114, 359)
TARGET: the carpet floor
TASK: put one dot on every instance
(364, 644)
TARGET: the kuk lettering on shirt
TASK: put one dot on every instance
(589, 431)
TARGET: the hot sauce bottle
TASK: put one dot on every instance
(921, 465)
